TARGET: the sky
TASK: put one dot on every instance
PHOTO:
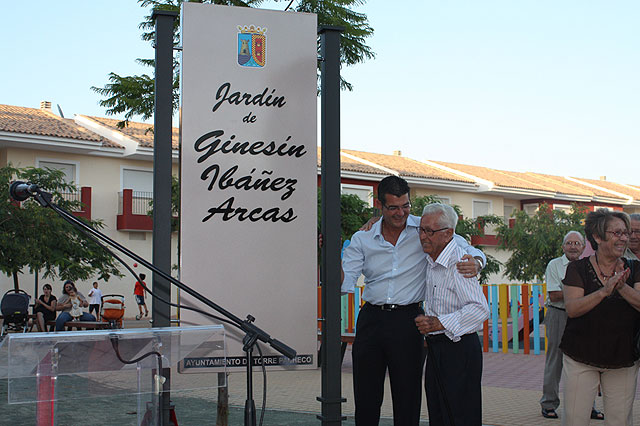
(546, 86)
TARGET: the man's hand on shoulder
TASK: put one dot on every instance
(468, 266)
(367, 226)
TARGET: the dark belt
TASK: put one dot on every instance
(555, 307)
(394, 307)
(441, 337)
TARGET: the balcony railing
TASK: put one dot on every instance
(141, 202)
(83, 195)
(71, 196)
(489, 237)
(133, 207)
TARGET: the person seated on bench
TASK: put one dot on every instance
(45, 308)
(65, 304)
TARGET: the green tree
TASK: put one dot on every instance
(36, 238)
(134, 95)
(354, 213)
(535, 240)
(466, 228)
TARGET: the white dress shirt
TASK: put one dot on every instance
(630, 255)
(457, 301)
(393, 274)
(556, 270)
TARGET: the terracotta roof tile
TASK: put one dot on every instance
(351, 165)
(408, 167)
(39, 122)
(564, 186)
(529, 180)
(498, 177)
(612, 186)
(140, 132)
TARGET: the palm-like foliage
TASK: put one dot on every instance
(134, 95)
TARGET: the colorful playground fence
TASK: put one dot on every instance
(515, 312)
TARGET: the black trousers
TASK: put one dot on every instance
(458, 366)
(387, 340)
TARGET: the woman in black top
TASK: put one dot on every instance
(45, 308)
(602, 299)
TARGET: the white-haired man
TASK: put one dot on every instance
(633, 250)
(455, 309)
(555, 320)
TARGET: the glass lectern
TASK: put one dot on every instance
(49, 367)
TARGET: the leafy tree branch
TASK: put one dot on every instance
(134, 95)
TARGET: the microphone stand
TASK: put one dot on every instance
(252, 332)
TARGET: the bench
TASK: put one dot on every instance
(83, 325)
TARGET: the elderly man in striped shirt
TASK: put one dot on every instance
(455, 309)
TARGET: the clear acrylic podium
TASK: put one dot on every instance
(49, 367)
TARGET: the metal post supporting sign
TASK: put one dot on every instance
(331, 398)
(162, 139)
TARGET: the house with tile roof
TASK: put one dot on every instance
(113, 167)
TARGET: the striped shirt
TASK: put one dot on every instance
(457, 301)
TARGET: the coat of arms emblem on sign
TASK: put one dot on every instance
(252, 46)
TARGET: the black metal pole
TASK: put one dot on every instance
(331, 398)
(249, 404)
(162, 159)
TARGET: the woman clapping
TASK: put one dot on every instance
(602, 299)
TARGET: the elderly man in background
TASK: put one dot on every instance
(555, 320)
(455, 309)
(633, 249)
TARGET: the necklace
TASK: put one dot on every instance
(601, 272)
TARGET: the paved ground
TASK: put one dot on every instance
(511, 390)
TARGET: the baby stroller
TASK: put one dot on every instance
(15, 311)
(112, 310)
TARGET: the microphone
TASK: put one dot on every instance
(20, 191)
